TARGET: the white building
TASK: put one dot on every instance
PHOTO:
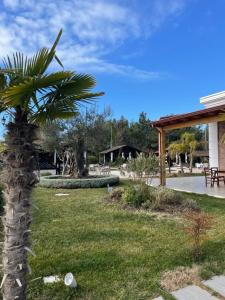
(216, 131)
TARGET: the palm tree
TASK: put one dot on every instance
(32, 96)
(177, 148)
(189, 143)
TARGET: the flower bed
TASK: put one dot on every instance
(73, 183)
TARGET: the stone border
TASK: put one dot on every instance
(56, 181)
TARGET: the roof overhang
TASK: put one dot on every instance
(203, 116)
(213, 100)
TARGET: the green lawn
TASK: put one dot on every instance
(113, 253)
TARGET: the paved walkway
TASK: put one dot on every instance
(193, 292)
(193, 184)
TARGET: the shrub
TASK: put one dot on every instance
(147, 204)
(164, 197)
(144, 165)
(161, 198)
(115, 195)
(137, 196)
(130, 196)
(189, 205)
(197, 227)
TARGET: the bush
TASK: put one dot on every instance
(115, 195)
(189, 205)
(144, 166)
(164, 197)
(72, 183)
(137, 196)
(161, 199)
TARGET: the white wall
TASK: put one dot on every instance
(213, 145)
(212, 101)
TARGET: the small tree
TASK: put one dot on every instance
(177, 148)
(197, 227)
(189, 145)
(144, 166)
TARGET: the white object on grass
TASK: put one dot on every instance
(51, 279)
(110, 189)
(60, 195)
(70, 281)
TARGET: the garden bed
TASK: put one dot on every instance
(114, 253)
(58, 181)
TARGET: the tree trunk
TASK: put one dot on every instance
(181, 164)
(19, 179)
(191, 162)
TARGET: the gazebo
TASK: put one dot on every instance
(125, 152)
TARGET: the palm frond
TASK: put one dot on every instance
(43, 97)
(16, 95)
(40, 62)
(89, 96)
(61, 109)
(24, 67)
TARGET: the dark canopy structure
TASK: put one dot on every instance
(123, 151)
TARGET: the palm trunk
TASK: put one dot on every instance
(19, 179)
(181, 164)
(191, 162)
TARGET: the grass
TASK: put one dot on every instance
(113, 253)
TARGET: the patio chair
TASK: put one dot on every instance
(212, 176)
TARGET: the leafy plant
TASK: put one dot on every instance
(143, 165)
(160, 199)
(164, 196)
(115, 195)
(197, 227)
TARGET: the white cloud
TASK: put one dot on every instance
(92, 29)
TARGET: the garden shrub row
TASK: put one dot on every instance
(158, 199)
(72, 183)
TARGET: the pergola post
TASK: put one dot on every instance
(162, 153)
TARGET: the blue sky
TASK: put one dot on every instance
(157, 56)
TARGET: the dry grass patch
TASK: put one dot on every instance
(180, 277)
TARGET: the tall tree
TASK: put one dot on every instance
(120, 131)
(142, 135)
(32, 96)
(189, 145)
(177, 148)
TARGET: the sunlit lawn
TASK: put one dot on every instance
(113, 253)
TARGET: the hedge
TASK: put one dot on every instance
(72, 183)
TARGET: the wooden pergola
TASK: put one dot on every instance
(165, 124)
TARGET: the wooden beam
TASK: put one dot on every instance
(162, 152)
(201, 121)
